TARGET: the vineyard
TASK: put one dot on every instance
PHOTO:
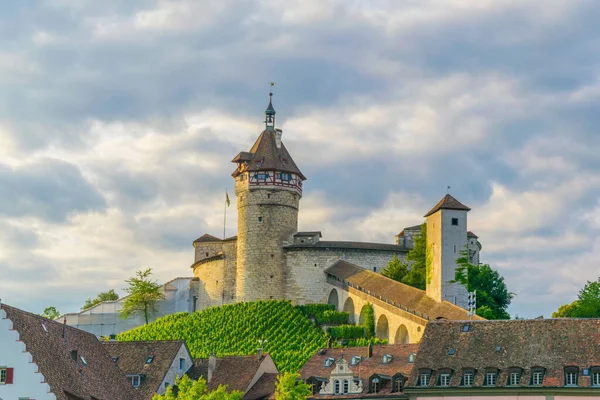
(235, 329)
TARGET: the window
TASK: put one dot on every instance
(490, 378)
(115, 359)
(375, 386)
(149, 359)
(398, 383)
(259, 219)
(83, 360)
(134, 379)
(374, 269)
(411, 357)
(181, 363)
(355, 360)
(454, 249)
(345, 386)
(455, 221)
(467, 378)
(336, 387)
(466, 328)
(444, 379)
(329, 361)
(596, 376)
(514, 378)
(285, 177)
(2, 375)
(424, 379)
(387, 358)
(537, 376)
(571, 376)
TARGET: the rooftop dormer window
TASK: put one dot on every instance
(424, 377)
(514, 377)
(375, 385)
(444, 377)
(537, 376)
(329, 362)
(571, 375)
(491, 375)
(387, 358)
(595, 376)
(135, 380)
(355, 360)
(411, 357)
(468, 377)
(398, 384)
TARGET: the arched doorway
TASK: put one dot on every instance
(349, 308)
(333, 299)
(401, 336)
(382, 330)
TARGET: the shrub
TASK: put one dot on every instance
(346, 332)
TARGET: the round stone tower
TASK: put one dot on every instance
(268, 186)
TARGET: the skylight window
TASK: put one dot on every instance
(44, 327)
(387, 358)
(115, 359)
(451, 352)
(466, 328)
(149, 359)
(83, 360)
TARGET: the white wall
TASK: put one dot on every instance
(27, 381)
(454, 240)
(104, 320)
(174, 370)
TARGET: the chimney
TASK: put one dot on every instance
(278, 134)
(64, 335)
(370, 351)
(259, 353)
(212, 364)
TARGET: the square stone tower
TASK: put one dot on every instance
(446, 238)
(268, 186)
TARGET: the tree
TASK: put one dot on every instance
(290, 387)
(395, 269)
(197, 390)
(417, 261)
(493, 297)
(587, 304)
(50, 312)
(369, 320)
(103, 296)
(143, 296)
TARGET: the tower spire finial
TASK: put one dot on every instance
(270, 112)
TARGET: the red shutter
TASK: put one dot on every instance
(9, 375)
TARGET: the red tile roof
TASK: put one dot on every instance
(448, 203)
(548, 343)
(132, 358)
(97, 378)
(315, 367)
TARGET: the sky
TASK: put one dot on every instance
(118, 122)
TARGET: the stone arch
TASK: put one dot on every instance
(349, 308)
(382, 330)
(401, 336)
(334, 299)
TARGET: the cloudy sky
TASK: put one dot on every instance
(118, 121)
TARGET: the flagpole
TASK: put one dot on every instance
(225, 215)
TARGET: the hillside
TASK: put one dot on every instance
(236, 329)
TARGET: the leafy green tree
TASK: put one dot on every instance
(197, 390)
(143, 296)
(50, 312)
(103, 296)
(417, 261)
(290, 387)
(395, 269)
(587, 304)
(493, 297)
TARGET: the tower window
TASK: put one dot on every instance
(259, 219)
(455, 221)
(374, 269)
(454, 249)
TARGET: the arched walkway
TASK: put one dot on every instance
(401, 336)
(333, 299)
(349, 308)
(382, 330)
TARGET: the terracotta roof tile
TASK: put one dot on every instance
(98, 378)
(234, 371)
(549, 343)
(315, 367)
(448, 203)
(132, 358)
(264, 388)
(399, 293)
